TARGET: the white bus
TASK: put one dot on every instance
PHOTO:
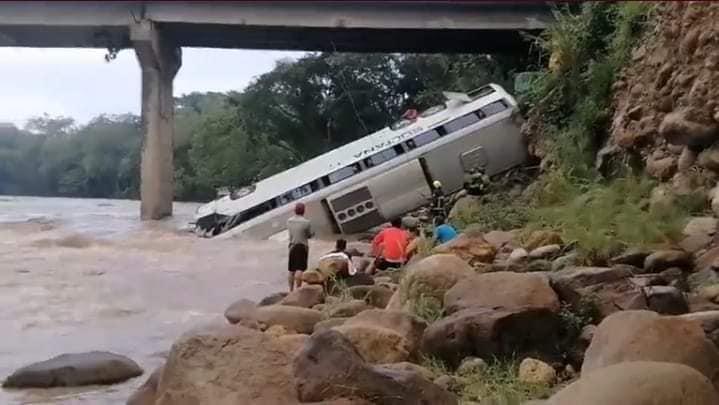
(385, 174)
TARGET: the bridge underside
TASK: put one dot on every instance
(281, 38)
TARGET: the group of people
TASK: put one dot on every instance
(392, 247)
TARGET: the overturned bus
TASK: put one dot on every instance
(382, 175)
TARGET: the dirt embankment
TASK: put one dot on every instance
(667, 99)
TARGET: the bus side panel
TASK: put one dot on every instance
(503, 147)
(400, 189)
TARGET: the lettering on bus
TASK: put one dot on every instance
(394, 140)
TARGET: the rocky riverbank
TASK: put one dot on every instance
(487, 317)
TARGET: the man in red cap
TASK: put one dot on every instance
(300, 231)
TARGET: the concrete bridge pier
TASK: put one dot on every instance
(159, 60)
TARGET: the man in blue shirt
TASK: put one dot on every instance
(444, 232)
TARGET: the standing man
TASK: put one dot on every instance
(300, 231)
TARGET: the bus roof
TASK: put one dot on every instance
(352, 152)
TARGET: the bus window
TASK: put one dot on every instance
(494, 108)
(425, 138)
(381, 157)
(398, 149)
(480, 92)
(461, 122)
(344, 173)
(433, 110)
(301, 191)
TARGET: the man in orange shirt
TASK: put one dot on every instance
(389, 247)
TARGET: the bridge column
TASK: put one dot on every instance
(159, 61)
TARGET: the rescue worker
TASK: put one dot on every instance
(439, 201)
(476, 182)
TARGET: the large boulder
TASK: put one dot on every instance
(632, 257)
(502, 289)
(348, 309)
(646, 336)
(329, 367)
(314, 277)
(609, 289)
(408, 326)
(272, 299)
(639, 383)
(377, 295)
(486, 333)
(661, 166)
(146, 394)
(664, 259)
(376, 345)
(703, 278)
(306, 296)
(407, 366)
(678, 129)
(666, 300)
(533, 371)
(227, 365)
(500, 239)
(471, 248)
(395, 302)
(75, 369)
(329, 324)
(464, 205)
(708, 259)
(544, 252)
(432, 276)
(542, 238)
(380, 295)
(709, 320)
(701, 226)
(242, 310)
(300, 320)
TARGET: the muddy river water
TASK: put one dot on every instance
(85, 274)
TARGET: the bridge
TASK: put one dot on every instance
(158, 30)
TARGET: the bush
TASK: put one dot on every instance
(497, 384)
(571, 102)
(605, 218)
(493, 212)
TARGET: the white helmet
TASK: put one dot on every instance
(437, 184)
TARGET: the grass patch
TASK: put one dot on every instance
(427, 307)
(496, 211)
(340, 293)
(604, 218)
(498, 384)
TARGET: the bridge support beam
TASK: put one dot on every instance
(159, 61)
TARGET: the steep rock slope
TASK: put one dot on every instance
(667, 99)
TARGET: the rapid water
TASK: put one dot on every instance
(85, 274)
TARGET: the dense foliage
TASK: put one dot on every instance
(571, 107)
(298, 110)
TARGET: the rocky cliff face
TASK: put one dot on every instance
(667, 99)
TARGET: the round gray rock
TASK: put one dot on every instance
(75, 369)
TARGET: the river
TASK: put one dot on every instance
(85, 274)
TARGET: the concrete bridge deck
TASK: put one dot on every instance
(356, 26)
(158, 30)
